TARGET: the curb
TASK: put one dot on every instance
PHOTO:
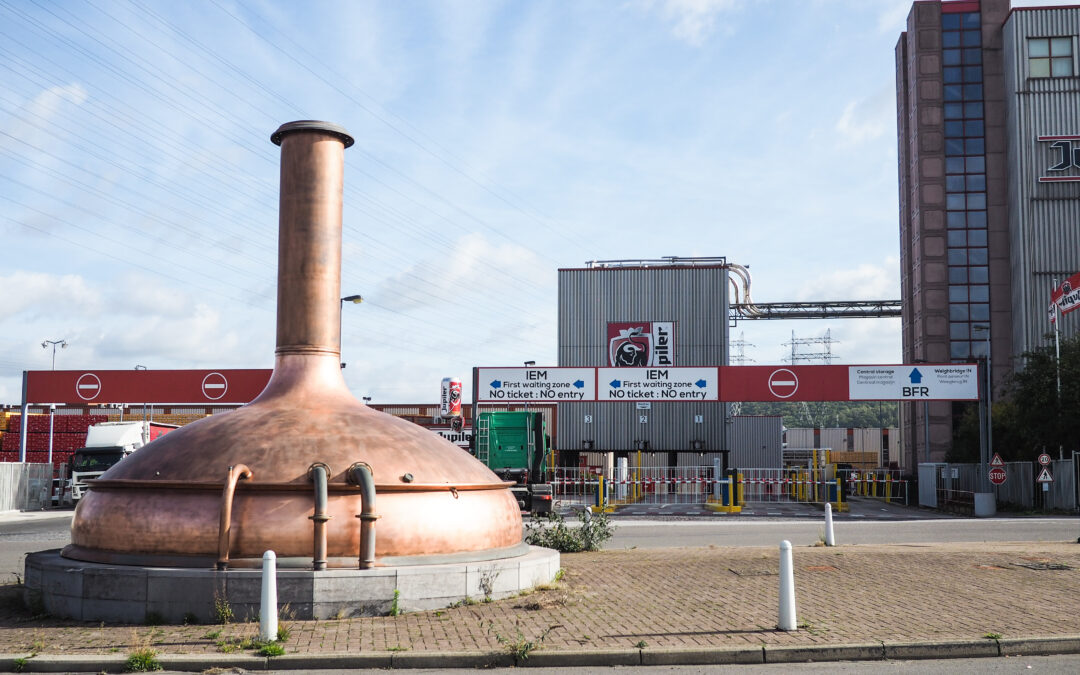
(871, 651)
(952, 649)
(697, 656)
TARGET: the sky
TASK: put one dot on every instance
(496, 142)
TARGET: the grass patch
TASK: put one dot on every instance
(142, 661)
(271, 649)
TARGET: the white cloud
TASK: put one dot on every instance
(892, 19)
(35, 294)
(866, 282)
(869, 118)
(473, 263)
(694, 20)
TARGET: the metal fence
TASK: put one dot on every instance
(691, 485)
(636, 485)
(25, 486)
(786, 485)
(882, 484)
(952, 486)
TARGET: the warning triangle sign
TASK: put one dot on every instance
(997, 461)
(1044, 476)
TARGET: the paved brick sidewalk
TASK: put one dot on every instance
(685, 597)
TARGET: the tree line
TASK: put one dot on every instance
(1031, 417)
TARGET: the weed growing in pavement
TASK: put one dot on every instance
(466, 601)
(487, 582)
(992, 636)
(551, 531)
(519, 646)
(142, 658)
(212, 635)
(811, 628)
(397, 648)
(37, 645)
(284, 632)
(641, 644)
(395, 606)
(142, 661)
(271, 649)
(19, 664)
(223, 612)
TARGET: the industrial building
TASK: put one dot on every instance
(671, 312)
(988, 123)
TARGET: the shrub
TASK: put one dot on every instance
(551, 531)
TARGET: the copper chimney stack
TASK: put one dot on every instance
(305, 469)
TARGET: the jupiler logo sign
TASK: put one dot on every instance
(1064, 158)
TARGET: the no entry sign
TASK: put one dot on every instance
(783, 383)
(145, 386)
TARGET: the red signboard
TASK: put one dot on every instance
(200, 387)
(998, 475)
(784, 383)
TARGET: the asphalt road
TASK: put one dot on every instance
(24, 534)
(761, 532)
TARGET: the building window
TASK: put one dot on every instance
(965, 178)
(1050, 57)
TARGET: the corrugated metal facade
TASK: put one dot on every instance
(695, 299)
(755, 442)
(1044, 218)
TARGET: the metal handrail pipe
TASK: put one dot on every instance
(319, 473)
(360, 474)
(237, 472)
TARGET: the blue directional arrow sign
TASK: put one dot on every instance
(701, 384)
(916, 376)
(537, 385)
(615, 383)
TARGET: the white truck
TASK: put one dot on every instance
(106, 444)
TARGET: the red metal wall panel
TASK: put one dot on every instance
(145, 386)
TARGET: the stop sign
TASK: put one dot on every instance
(997, 475)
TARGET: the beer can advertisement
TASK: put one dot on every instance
(450, 397)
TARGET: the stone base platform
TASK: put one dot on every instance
(128, 594)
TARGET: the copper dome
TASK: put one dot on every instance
(166, 503)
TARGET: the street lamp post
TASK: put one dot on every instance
(356, 300)
(146, 431)
(52, 411)
(45, 345)
(528, 364)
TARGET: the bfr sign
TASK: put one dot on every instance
(924, 382)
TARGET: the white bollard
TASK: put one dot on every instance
(830, 538)
(268, 611)
(787, 588)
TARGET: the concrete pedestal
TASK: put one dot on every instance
(129, 594)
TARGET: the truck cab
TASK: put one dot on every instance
(106, 445)
(516, 446)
